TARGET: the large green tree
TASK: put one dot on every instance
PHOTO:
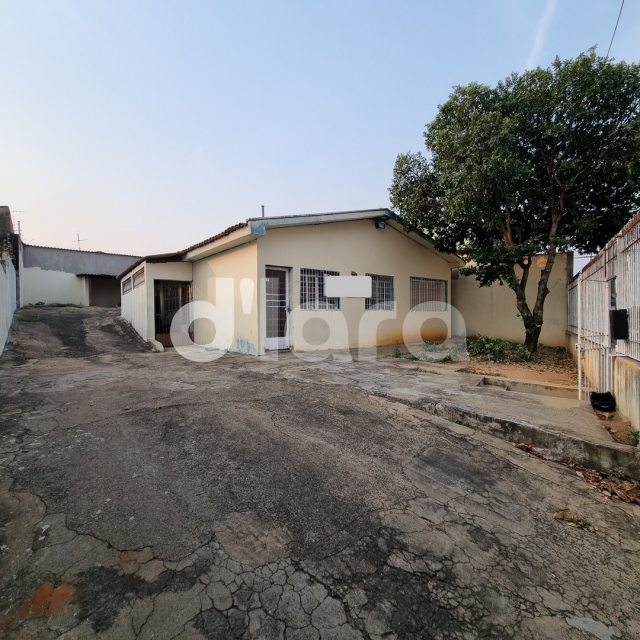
(546, 160)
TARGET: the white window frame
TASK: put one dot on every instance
(312, 298)
(424, 294)
(381, 285)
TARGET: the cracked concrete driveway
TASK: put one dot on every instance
(146, 496)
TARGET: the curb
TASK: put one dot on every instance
(602, 456)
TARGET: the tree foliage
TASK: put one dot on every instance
(544, 161)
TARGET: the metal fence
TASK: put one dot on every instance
(610, 281)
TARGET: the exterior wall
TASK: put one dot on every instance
(50, 275)
(7, 298)
(20, 272)
(134, 307)
(241, 264)
(626, 388)
(491, 311)
(138, 305)
(345, 247)
(53, 287)
(76, 262)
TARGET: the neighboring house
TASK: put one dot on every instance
(268, 276)
(491, 311)
(69, 276)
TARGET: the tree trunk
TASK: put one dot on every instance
(533, 318)
(531, 337)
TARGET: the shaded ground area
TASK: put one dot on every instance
(68, 331)
(552, 365)
(146, 496)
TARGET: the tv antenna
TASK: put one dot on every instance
(79, 240)
(18, 221)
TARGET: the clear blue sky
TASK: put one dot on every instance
(148, 126)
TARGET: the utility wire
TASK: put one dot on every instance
(616, 28)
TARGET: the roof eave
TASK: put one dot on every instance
(427, 242)
(230, 241)
(158, 257)
(259, 225)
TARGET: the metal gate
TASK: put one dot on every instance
(170, 296)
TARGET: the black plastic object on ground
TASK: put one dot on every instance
(603, 401)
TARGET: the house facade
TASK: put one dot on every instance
(270, 282)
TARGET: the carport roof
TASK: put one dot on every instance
(104, 253)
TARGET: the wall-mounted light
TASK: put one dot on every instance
(380, 224)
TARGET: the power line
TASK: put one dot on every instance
(616, 28)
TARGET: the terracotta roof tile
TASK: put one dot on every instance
(226, 232)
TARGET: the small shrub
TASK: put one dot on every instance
(522, 352)
(396, 351)
(494, 348)
(635, 437)
(562, 355)
(479, 372)
(468, 370)
(497, 349)
(449, 351)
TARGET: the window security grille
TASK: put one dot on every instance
(382, 294)
(126, 285)
(312, 296)
(428, 294)
(138, 278)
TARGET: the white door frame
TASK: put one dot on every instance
(274, 344)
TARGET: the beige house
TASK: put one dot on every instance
(273, 283)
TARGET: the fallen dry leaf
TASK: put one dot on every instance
(566, 514)
(573, 519)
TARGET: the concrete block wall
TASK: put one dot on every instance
(7, 298)
(491, 311)
(53, 287)
(625, 375)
